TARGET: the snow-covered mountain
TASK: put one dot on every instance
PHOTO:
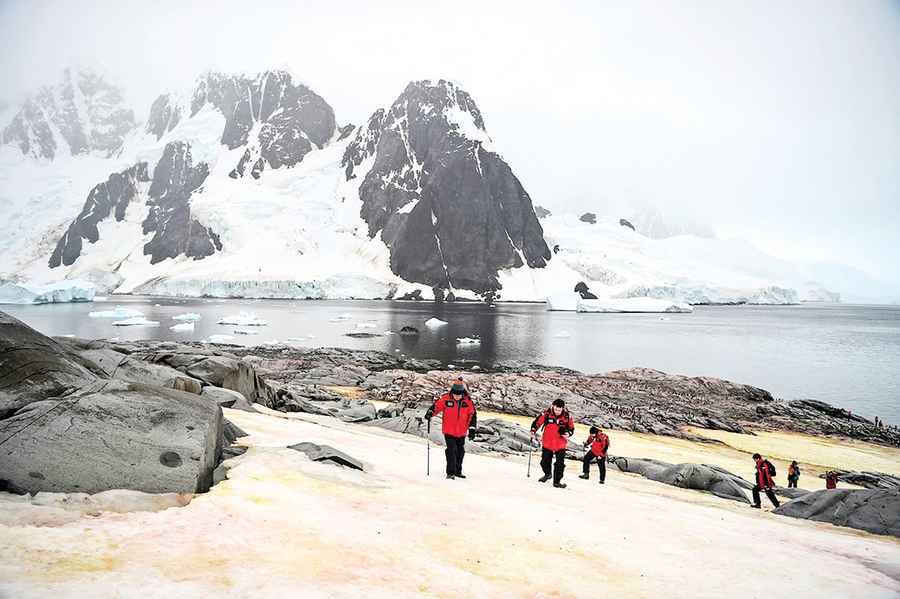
(247, 186)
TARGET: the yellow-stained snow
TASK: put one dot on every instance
(283, 526)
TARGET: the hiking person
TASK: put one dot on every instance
(459, 417)
(599, 445)
(558, 426)
(831, 479)
(765, 473)
(793, 475)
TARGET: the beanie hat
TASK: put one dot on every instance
(594, 430)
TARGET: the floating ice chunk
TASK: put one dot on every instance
(60, 292)
(468, 341)
(435, 322)
(341, 317)
(190, 316)
(118, 312)
(184, 327)
(389, 333)
(157, 305)
(562, 335)
(244, 319)
(137, 321)
(100, 298)
(631, 304)
(397, 350)
(366, 325)
(245, 332)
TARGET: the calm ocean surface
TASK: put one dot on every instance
(847, 355)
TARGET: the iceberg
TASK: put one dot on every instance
(245, 332)
(366, 325)
(435, 322)
(467, 341)
(244, 319)
(117, 312)
(52, 293)
(188, 317)
(632, 304)
(137, 321)
(184, 327)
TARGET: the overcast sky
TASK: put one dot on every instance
(774, 121)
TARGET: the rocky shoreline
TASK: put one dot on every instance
(92, 415)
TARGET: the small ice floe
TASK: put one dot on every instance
(435, 322)
(244, 319)
(118, 312)
(100, 298)
(366, 325)
(187, 317)
(341, 317)
(397, 350)
(218, 339)
(467, 341)
(184, 327)
(562, 335)
(245, 332)
(157, 305)
(137, 321)
(389, 333)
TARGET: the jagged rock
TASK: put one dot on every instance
(873, 510)
(433, 174)
(121, 366)
(624, 223)
(83, 113)
(111, 197)
(326, 453)
(541, 212)
(687, 476)
(227, 398)
(415, 295)
(582, 289)
(588, 217)
(165, 114)
(175, 231)
(189, 385)
(360, 412)
(231, 432)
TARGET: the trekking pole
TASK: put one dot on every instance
(530, 451)
(428, 450)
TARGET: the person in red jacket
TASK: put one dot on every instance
(765, 481)
(459, 417)
(558, 427)
(599, 445)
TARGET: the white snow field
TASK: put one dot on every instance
(284, 526)
(50, 293)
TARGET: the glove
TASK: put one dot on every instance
(471, 434)
(429, 414)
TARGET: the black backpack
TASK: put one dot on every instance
(771, 468)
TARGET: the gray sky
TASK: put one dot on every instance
(774, 121)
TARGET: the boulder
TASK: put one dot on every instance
(701, 477)
(227, 398)
(120, 366)
(326, 453)
(588, 217)
(123, 436)
(873, 510)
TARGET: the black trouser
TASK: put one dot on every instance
(558, 467)
(589, 458)
(769, 493)
(456, 449)
(792, 482)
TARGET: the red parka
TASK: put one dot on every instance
(459, 414)
(764, 474)
(599, 444)
(555, 429)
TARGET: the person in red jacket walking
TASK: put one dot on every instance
(558, 427)
(459, 417)
(765, 481)
(598, 444)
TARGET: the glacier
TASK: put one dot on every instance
(48, 293)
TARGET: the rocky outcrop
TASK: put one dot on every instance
(67, 424)
(449, 208)
(83, 113)
(541, 212)
(623, 222)
(278, 120)
(589, 218)
(326, 453)
(869, 480)
(582, 289)
(175, 231)
(701, 477)
(165, 114)
(873, 510)
(110, 198)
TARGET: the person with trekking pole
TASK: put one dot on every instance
(459, 417)
(558, 427)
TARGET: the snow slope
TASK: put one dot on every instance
(284, 526)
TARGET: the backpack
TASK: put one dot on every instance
(771, 468)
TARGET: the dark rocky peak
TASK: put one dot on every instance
(588, 217)
(280, 121)
(108, 198)
(449, 208)
(624, 222)
(165, 114)
(80, 114)
(542, 212)
(175, 231)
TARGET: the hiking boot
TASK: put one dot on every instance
(602, 482)
(559, 485)
(450, 477)
(460, 475)
(584, 476)
(756, 507)
(544, 478)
